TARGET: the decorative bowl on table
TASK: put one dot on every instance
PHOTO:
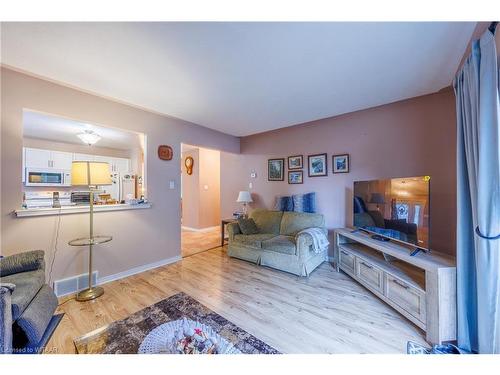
(185, 336)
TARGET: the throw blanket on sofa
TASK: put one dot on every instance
(319, 239)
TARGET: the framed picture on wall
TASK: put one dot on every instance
(295, 177)
(340, 163)
(276, 169)
(296, 162)
(317, 165)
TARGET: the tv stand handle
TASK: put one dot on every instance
(366, 265)
(400, 284)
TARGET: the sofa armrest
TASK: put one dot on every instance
(232, 229)
(304, 242)
(6, 290)
(22, 262)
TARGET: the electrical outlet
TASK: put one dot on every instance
(250, 185)
(171, 185)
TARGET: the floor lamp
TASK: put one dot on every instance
(90, 174)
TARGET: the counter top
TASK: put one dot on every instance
(45, 211)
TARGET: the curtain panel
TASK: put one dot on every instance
(478, 199)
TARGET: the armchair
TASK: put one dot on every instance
(27, 303)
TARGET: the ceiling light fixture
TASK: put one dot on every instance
(89, 137)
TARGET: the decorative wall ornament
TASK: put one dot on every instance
(340, 163)
(165, 152)
(189, 163)
(295, 177)
(296, 162)
(317, 165)
(276, 169)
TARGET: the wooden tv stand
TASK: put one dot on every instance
(421, 287)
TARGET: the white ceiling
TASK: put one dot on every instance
(243, 78)
(52, 128)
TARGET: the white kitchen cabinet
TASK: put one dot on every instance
(37, 158)
(83, 157)
(121, 165)
(116, 165)
(61, 160)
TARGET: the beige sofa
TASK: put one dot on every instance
(277, 244)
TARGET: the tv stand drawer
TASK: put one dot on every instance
(405, 296)
(347, 261)
(370, 275)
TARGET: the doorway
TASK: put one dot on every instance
(200, 199)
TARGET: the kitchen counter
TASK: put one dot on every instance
(45, 211)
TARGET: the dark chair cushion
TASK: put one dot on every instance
(27, 286)
(247, 226)
(22, 262)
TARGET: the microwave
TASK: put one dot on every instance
(47, 177)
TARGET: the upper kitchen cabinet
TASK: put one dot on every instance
(83, 157)
(38, 158)
(116, 165)
(121, 165)
(61, 160)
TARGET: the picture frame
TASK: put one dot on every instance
(295, 177)
(340, 163)
(295, 162)
(275, 169)
(317, 165)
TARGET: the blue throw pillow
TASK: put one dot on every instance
(304, 202)
(284, 204)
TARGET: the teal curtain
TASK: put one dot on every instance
(478, 199)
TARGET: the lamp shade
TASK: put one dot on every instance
(377, 198)
(244, 197)
(89, 173)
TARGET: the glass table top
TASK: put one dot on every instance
(96, 240)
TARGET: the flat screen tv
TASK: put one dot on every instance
(395, 209)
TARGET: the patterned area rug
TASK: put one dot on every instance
(125, 336)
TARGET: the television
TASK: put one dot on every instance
(396, 209)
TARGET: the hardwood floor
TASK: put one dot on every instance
(195, 242)
(325, 313)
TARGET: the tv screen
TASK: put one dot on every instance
(396, 208)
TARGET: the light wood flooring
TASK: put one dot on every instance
(325, 313)
(195, 242)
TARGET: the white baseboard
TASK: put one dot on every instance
(139, 269)
(207, 229)
(120, 275)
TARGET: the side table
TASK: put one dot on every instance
(222, 228)
(96, 291)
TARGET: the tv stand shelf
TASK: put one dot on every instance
(421, 287)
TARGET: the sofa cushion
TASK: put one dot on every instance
(247, 226)
(27, 286)
(252, 240)
(294, 222)
(281, 244)
(267, 221)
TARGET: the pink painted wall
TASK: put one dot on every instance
(140, 237)
(407, 138)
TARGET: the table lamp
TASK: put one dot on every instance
(90, 174)
(245, 198)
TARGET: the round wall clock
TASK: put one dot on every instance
(165, 152)
(189, 163)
